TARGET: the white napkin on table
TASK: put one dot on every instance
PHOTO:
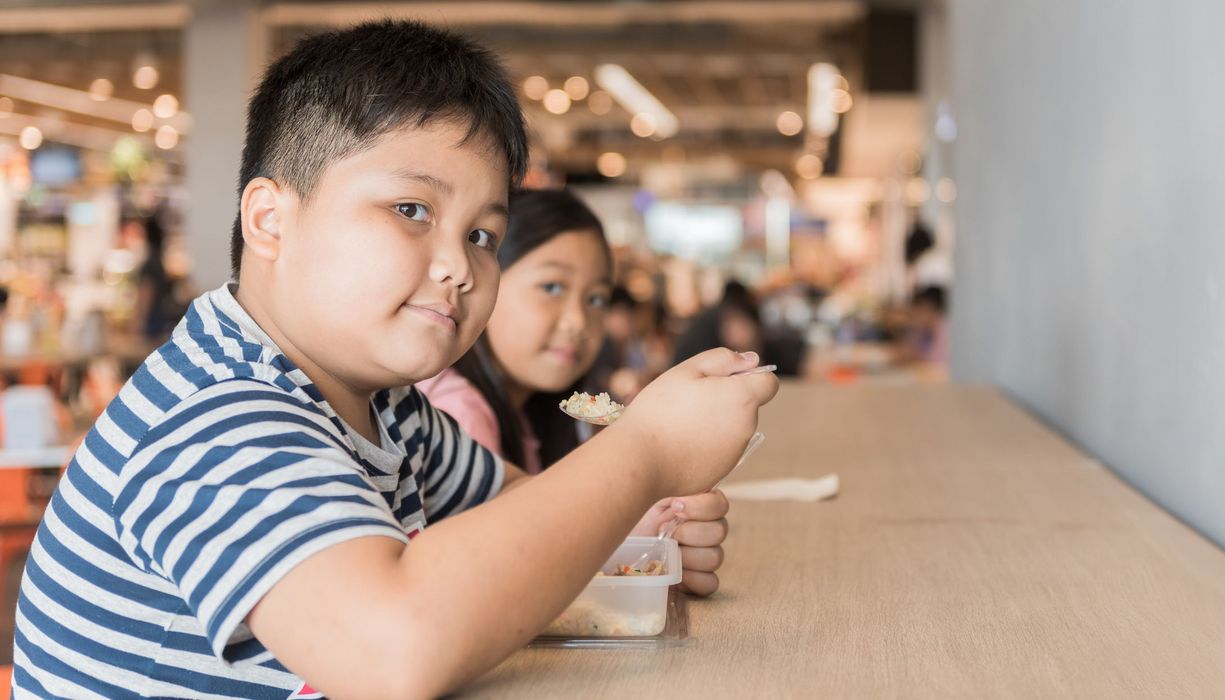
(783, 489)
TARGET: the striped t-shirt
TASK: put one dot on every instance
(217, 469)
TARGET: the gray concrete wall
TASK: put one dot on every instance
(225, 49)
(1090, 280)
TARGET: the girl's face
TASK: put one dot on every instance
(548, 323)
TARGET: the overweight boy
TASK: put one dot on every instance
(249, 517)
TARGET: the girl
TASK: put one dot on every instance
(545, 333)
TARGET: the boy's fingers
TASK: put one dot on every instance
(700, 533)
(702, 558)
(699, 582)
(720, 362)
(762, 387)
(703, 506)
(663, 503)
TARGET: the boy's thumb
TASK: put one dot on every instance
(721, 362)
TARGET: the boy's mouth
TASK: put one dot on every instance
(436, 313)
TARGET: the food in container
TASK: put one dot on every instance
(622, 601)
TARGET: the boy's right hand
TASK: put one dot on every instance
(694, 420)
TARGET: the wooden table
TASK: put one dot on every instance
(971, 553)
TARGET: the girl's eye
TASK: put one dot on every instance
(598, 301)
(553, 289)
(483, 239)
(413, 211)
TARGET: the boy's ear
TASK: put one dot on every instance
(264, 210)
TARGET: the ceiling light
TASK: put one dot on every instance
(79, 101)
(643, 125)
(535, 87)
(167, 137)
(165, 106)
(142, 120)
(31, 137)
(557, 101)
(145, 77)
(822, 80)
(101, 89)
(789, 123)
(576, 87)
(809, 166)
(599, 102)
(840, 100)
(635, 98)
(611, 164)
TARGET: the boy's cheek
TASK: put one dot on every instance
(480, 308)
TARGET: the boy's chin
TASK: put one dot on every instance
(426, 370)
(414, 362)
(390, 376)
(416, 375)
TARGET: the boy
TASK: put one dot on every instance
(237, 522)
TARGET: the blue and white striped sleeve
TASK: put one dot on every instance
(230, 491)
(460, 473)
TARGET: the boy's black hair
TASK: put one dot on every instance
(337, 93)
(536, 217)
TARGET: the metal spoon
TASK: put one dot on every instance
(615, 413)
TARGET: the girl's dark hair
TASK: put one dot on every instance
(536, 217)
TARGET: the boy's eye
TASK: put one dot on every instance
(553, 289)
(482, 239)
(413, 211)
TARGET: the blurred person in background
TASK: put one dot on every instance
(926, 334)
(158, 304)
(636, 346)
(735, 322)
(622, 358)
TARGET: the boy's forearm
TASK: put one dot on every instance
(542, 542)
(421, 620)
(512, 478)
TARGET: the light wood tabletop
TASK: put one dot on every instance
(971, 553)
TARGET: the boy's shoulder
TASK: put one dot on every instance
(217, 362)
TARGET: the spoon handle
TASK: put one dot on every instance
(755, 370)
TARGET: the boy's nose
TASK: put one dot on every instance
(450, 266)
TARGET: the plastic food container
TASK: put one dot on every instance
(623, 606)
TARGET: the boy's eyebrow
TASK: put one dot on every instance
(444, 187)
(498, 208)
(425, 179)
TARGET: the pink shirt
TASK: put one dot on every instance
(452, 393)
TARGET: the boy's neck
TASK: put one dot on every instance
(352, 405)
